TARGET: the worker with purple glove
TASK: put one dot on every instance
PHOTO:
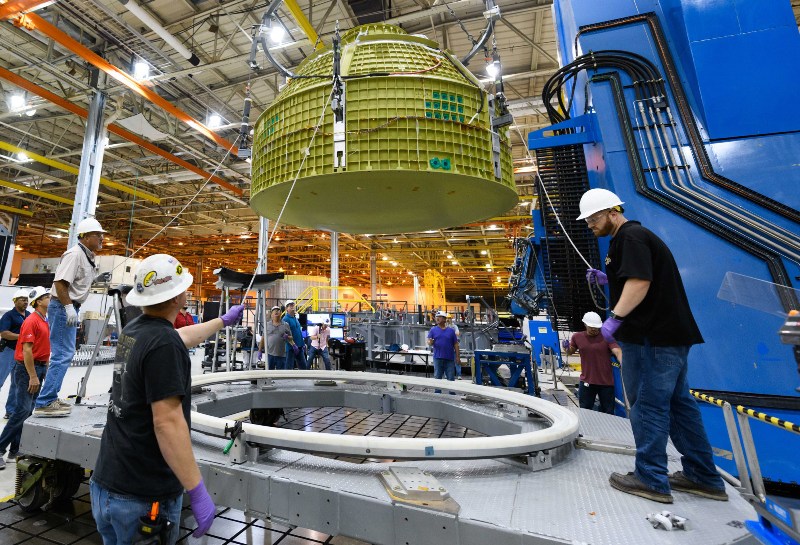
(651, 320)
(294, 346)
(146, 450)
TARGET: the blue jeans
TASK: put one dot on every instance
(62, 350)
(662, 407)
(117, 515)
(292, 358)
(276, 362)
(444, 368)
(12, 433)
(7, 364)
(587, 395)
(312, 352)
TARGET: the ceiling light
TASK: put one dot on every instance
(31, 112)
(141, 71)
(23, 157)
(18, 248)
(489, 270)
(214, 121)
(276, 32)
(385, 258)
(280, 270)
(180, 244)
(454, 262)
(493, 68)
(493, 226)
(488, 265)
(483, 252)
(16, 102)
(394, 263)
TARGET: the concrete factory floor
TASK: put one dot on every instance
(72, 523)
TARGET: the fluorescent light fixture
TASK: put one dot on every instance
(493, 68)
(141, 70)
(214, 121)
(23, 157)
(483, 252)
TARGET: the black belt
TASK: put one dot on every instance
(35, 362)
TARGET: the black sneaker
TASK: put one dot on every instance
(679, 481)
(630, 484)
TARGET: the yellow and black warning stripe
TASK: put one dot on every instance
(777, 422)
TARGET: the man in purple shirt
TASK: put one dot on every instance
(445, 348)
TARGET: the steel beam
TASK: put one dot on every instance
(33, 21)
(36, 192)
(66, 167)
(23, 83)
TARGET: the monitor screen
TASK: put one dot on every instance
(317, 318)
(337, 333)
(338, 319)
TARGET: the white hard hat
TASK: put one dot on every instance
(37, 293)
(21, 293)
(276, 307)
(288, 302)
(158, 278)
(403, 347)
(592, 319)
(441, 313)
(89, 225)
(596, 200)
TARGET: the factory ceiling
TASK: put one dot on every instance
(168, 188)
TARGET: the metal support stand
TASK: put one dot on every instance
(94, 142)
(116, 305)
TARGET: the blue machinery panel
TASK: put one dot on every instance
(726, 59)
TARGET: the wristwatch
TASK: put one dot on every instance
(616, 316)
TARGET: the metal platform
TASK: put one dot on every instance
(498, 501)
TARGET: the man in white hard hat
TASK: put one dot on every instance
(597, 377)
(278, 336)
(10, 324)
(74, 277)
(295, 355)
(31, 356)
(146, 450)
(446, 351)
(651, 319)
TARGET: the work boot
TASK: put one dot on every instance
(679, 481)
(51, 409)
(631, 484)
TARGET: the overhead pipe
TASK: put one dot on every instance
(23, 83)
(162, 32)
(31, 21)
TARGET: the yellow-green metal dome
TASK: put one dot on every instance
(418, 150)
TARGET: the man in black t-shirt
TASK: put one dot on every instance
(146, 451)
(651, 320)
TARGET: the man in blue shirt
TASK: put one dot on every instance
(445, 348)
(294, 351)
(9, 331)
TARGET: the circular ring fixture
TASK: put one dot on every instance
(563, 427)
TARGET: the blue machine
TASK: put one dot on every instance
(686, 110)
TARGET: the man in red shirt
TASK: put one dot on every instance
(32, 356)
(597, 379)
(183, 318)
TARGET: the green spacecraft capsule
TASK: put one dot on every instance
(412, 149)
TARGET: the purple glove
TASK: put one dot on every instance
(565, 344)
(202, 508)
(610, 326)
(233, 315)
(596, 275)
(296, 349)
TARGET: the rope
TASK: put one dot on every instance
(752, 413)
